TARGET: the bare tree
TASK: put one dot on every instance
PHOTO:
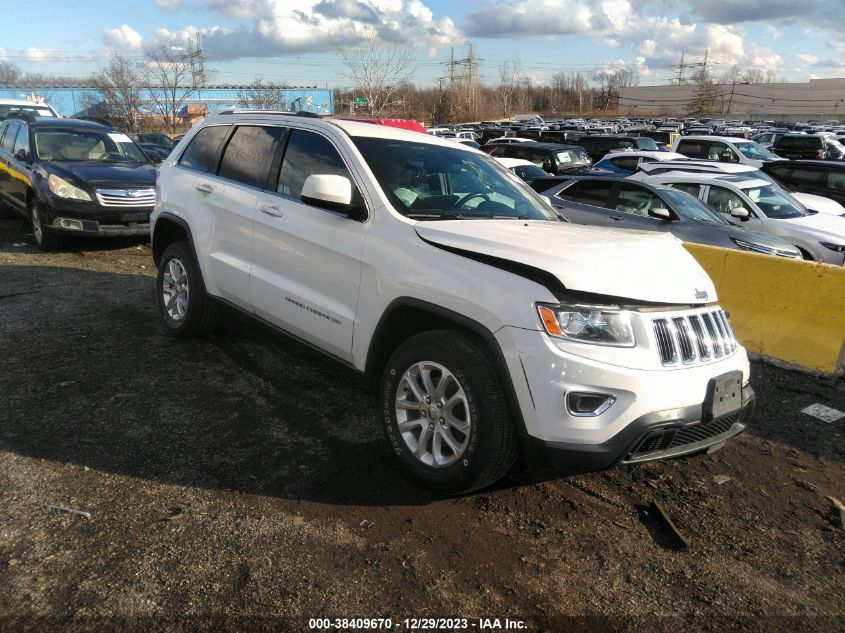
(509, 73)
(731, 76)
(10, 73)
(118, 92)
(753, 76)
(262, 96)
(611, 81)
(172, 75)
(377, 68)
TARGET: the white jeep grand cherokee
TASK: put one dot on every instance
(488, 325)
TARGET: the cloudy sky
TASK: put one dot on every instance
(290, 40)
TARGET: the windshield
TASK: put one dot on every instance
(775, 203)
(691, 207)
(430, 182)
(752, 150)
(87, 145)
(572, 157)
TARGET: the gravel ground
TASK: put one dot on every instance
(240, 482)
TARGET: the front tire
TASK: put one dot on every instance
(183, 303)
(45, 238)
(444, 412)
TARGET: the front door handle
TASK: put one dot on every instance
(204, 188)
(614, 218)
(271, 209)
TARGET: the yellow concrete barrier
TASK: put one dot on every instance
(793, 311)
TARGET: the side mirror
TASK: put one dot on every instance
(155, 159)
(330, 192)
(22, 155)
(660, 212)
(739, 212)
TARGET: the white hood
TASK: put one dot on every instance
(819, 203)
(830, 224)
(637, 265)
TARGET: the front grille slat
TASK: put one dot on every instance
(714, 335)
(682, 328)
(693, 338)
(665, 344)
(126, 197)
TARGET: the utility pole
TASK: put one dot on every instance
(679, 75)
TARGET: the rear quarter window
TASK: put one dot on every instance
(201, 153)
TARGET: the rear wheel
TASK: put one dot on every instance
(444, 413)
(45, 238)
(182, 301)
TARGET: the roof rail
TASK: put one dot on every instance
(302, 113)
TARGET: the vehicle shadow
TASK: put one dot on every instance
(93, 379)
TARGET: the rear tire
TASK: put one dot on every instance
(456, 394)
(183, 303)
(45, 238)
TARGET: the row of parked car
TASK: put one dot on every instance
(722, 191)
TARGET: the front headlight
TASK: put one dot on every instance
(588, 324)
(839, 248)
(63, 189)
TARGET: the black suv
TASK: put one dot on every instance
(822, 178)
(794, 146)
(598, 145)
(553, 158)
(72, 177)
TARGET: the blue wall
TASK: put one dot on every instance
(69, 101)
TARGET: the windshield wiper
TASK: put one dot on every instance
(435, 216)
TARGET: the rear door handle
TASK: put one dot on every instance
(271, 209)
(204, 188)
(614, 218)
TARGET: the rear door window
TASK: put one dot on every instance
(693, 149)
(201, 153)
(248, 155)
(687, 187)
(626, 162)
(836, 180)
(592, 192)
(804, 177)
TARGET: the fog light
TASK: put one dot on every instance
(65, 223)
(587, 405)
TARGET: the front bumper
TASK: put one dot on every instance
(656, 436)
(656, 413)
(92, 220)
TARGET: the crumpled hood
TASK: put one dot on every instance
(636, 265)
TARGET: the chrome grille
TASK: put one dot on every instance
(693, 338)
(126, 197)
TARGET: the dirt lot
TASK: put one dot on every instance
(241, 482)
